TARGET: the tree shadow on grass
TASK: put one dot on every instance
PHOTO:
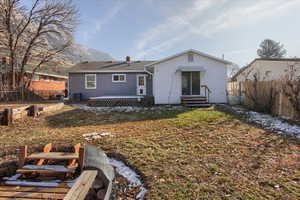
(78, 118)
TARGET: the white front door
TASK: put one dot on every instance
(141, 85)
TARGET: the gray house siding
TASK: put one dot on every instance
(105, 86)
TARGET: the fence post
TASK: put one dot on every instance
(280, 103)
(34, 111)
(8, 117)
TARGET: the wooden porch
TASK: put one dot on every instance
(44, 181)
(197, 100)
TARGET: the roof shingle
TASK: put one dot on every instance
(109, 66)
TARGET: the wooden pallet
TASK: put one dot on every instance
(78, 191)
(15, 188)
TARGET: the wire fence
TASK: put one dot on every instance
(21, 95)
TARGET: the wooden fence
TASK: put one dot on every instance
(265, 96)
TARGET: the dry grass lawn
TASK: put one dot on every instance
(195, 154)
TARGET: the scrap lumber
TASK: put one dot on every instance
(45, 169)
(53, 156)
(33, 189)
(82, 186)
(46, 149)
(81, 158)
(73, 163)
(22, 155)
(32, 195)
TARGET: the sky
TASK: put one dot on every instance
(154, 29)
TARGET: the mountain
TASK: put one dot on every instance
(79, 53)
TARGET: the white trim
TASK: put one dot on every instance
(107, 71)
(190, 51)
(85, 81)
(145, 84)
(124, 81)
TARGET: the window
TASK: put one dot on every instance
(118, 78)
(46, 78)
(190, 57)
(57, 80)
(35, 78)
(90, 81)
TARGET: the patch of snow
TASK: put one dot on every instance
(12, 178)
(117, 97)
(94, 136)
(31, 183)
(127, 108)
(275, 124)
(130, 175)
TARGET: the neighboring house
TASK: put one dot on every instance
(48, 82)
(269, 69)
(44, 82)
(187, 74)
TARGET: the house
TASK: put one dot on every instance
(187, 76)
(45, 82)
(269, 69)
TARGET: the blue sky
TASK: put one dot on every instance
(153, 29)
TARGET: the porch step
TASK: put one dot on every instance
(193, 97)
(204, 105)
(195, 101)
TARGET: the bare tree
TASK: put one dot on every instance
(25, 31)
(261, 93)
(291, 86)
(271, 49)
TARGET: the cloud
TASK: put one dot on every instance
(207, 18)
(111, 14)
(98, 24)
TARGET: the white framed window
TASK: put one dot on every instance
(190, 57)
(117, 78)
(90, 81)
(35, 77)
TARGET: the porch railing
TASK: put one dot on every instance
(207, 91)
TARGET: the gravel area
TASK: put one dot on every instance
(128, 108)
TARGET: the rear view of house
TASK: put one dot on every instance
(188, 76)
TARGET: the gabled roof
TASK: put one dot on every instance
(191, 51)
(109, 66)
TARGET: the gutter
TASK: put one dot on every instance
(47, 74)
(106, 71)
